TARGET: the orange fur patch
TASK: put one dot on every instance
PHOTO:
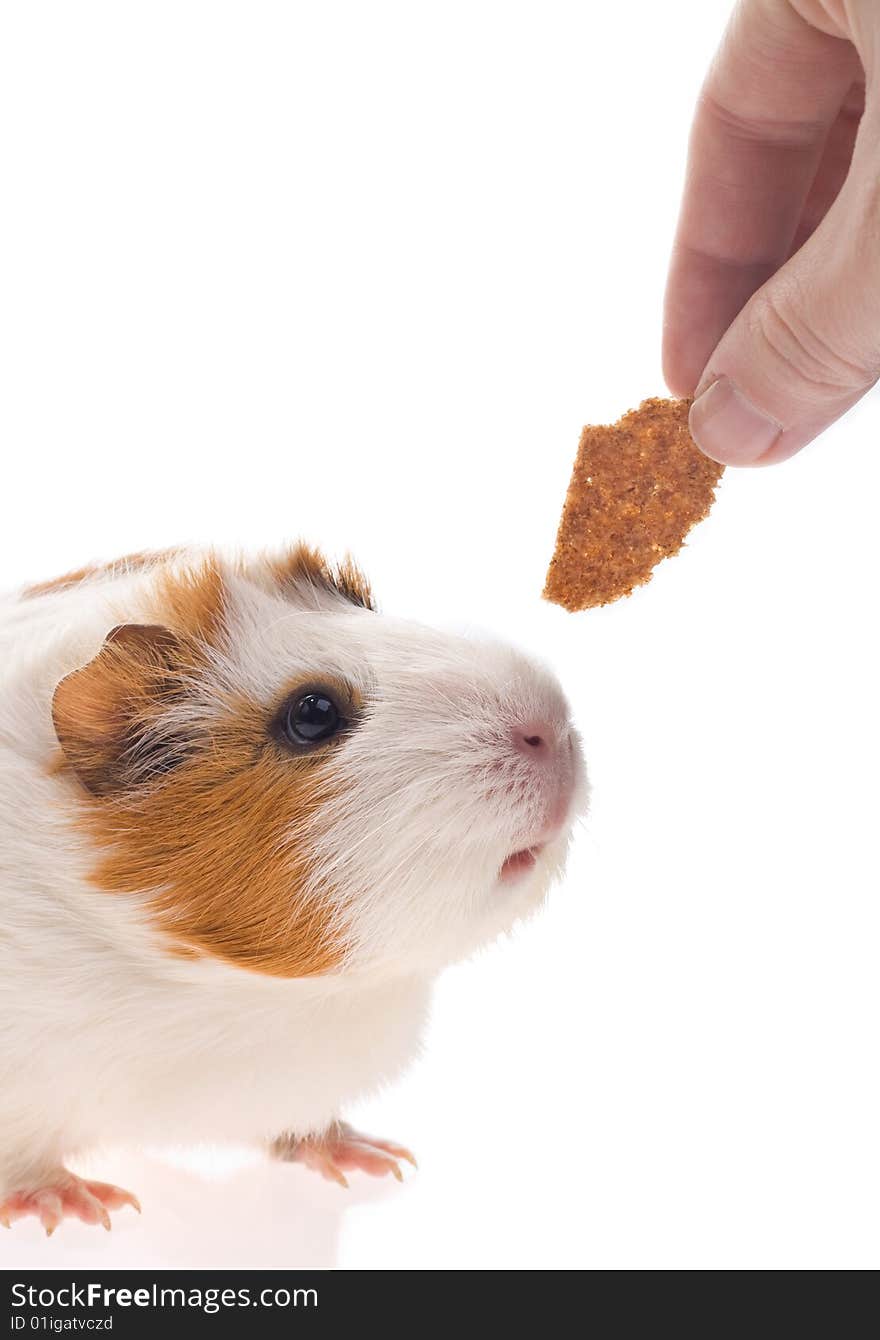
(107, 715)
(194, 602)
(302, 567)
(201, 818)
(104, 713)
(213, 843)
(138, 562)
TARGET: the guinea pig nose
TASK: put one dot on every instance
(535, 739)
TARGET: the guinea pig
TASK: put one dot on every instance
(245, 819)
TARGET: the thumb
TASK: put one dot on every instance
(805, 347)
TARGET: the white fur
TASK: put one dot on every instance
(104, 1035)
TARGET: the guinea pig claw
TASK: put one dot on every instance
(396, 1151)
(67, 1196)
(342, 1147)
(50, 1210)
(113, 1197)
(334, 1174)
(323, 1163)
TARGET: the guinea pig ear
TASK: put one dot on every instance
(108, 715)
(303, 575)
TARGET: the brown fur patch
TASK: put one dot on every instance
(211, 847)
(194, 601)
(138, 562)
(301, 567)
(106, 713)
(196, 815)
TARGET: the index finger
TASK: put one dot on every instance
(772, 93)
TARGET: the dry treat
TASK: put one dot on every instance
(637, 488)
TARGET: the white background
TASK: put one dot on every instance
(361, 272)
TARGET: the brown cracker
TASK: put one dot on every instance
(637, 488)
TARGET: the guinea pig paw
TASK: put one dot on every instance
(67, 1196)
(342, 1149)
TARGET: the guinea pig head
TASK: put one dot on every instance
(288, 781)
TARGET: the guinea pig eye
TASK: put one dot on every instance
(312, 718)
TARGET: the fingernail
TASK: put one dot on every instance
(729, 428)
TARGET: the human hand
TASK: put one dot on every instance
(772, 315)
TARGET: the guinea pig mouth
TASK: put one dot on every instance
(519, 863)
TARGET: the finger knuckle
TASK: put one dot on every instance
(800, 350)
(768, 131)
